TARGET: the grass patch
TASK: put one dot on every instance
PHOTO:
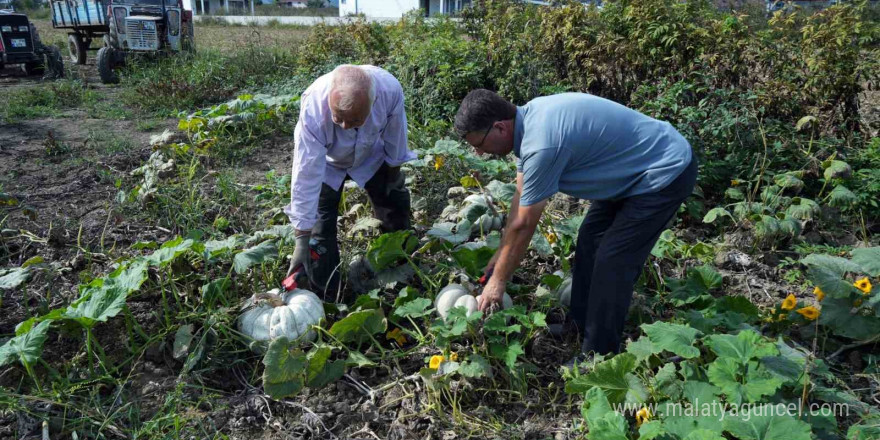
(44, 100)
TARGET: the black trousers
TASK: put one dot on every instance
(391, 205)
(613, 243)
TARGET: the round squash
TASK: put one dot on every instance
(497, 223)
(292, 315)
(563, 292)
(506, 301)
(454, 295)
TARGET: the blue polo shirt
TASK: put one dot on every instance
(593, 148)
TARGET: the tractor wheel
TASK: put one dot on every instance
(106, 64)
(54, 63)
(77, 48)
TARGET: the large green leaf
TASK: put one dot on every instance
(707, 276)
(651, 430)
(764, 423)
(868, 259)
(830, 282)
(676, 338)
(320, 372)
(97, 304)
(284, 372)
(642, 348)
(742, 383)
(680, 424)
(803, 209)
(501, 191)
(359, 326)
(444, 230)
(615, 378)
(25, 348)
(743, 347)
(841, 197)
(700, 393)
(390, 249)
(716, 213)
(414, 309)
(473, 259)
(602, 421)
(540, 244)
(260, 253)
(837, 314)
(788, 181)
(12, 278)
(703, 434)
(169, 251)
(836, 169)
(214, 248)
(838, 265)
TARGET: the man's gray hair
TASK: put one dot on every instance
(348, 81)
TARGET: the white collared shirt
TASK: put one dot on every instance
(325, 153)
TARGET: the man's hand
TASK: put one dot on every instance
(302, 256)
(490, 300)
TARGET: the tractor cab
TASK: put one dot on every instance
(20, 44)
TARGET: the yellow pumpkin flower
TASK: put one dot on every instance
(781, 317)
(551, 237)
(789, 302)
(396, 335)
(435, 362)
(453, 357)
(820, 295)
(809, 312)
(439, 162)
(734, 182)
(864, 285)
(642, 416)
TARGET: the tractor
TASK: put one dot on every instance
(126, 28)
(20, 44)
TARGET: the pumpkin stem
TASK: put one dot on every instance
(274, 299)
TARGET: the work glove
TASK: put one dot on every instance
(302, 257)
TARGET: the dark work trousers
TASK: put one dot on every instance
(613, 243)
(391, 205)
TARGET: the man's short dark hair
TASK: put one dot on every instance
(480, 109)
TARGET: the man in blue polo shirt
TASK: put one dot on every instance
(636, 170)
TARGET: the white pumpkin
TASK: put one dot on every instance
(291, 315)
(506, 301)
(563, 292)
(454, 295)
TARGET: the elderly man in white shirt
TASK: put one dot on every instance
(352, 124)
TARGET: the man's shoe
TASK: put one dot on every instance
(563, 330)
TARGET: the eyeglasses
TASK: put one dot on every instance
(480, 145)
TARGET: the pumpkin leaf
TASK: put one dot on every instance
(700, 393)
(390, 249)
(675, 338)
(651, 430)
(359, 326)
(540, 244)
(788, 181)
(469, 182)
(716, 213)
(741, 383)
(868, 259)
(473, 259)
(840, 266)
(169, 251)
(827, 278)
(364, 224)
(444, 232)
(12, 278)
(97, 304)
(604, 422)
(182, 341)
(762, 423)
(283, 375)
(836, 169)
(803, 209)
(320, 372)
(615, 378)
(475, 367)
(837, 314)
(25, 348)
(642, 348)
(414, 309)
(742, 347)
(260, 253)
(841, 197)
(501, 191)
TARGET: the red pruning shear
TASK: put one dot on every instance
(485, 278)
(290, 282)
